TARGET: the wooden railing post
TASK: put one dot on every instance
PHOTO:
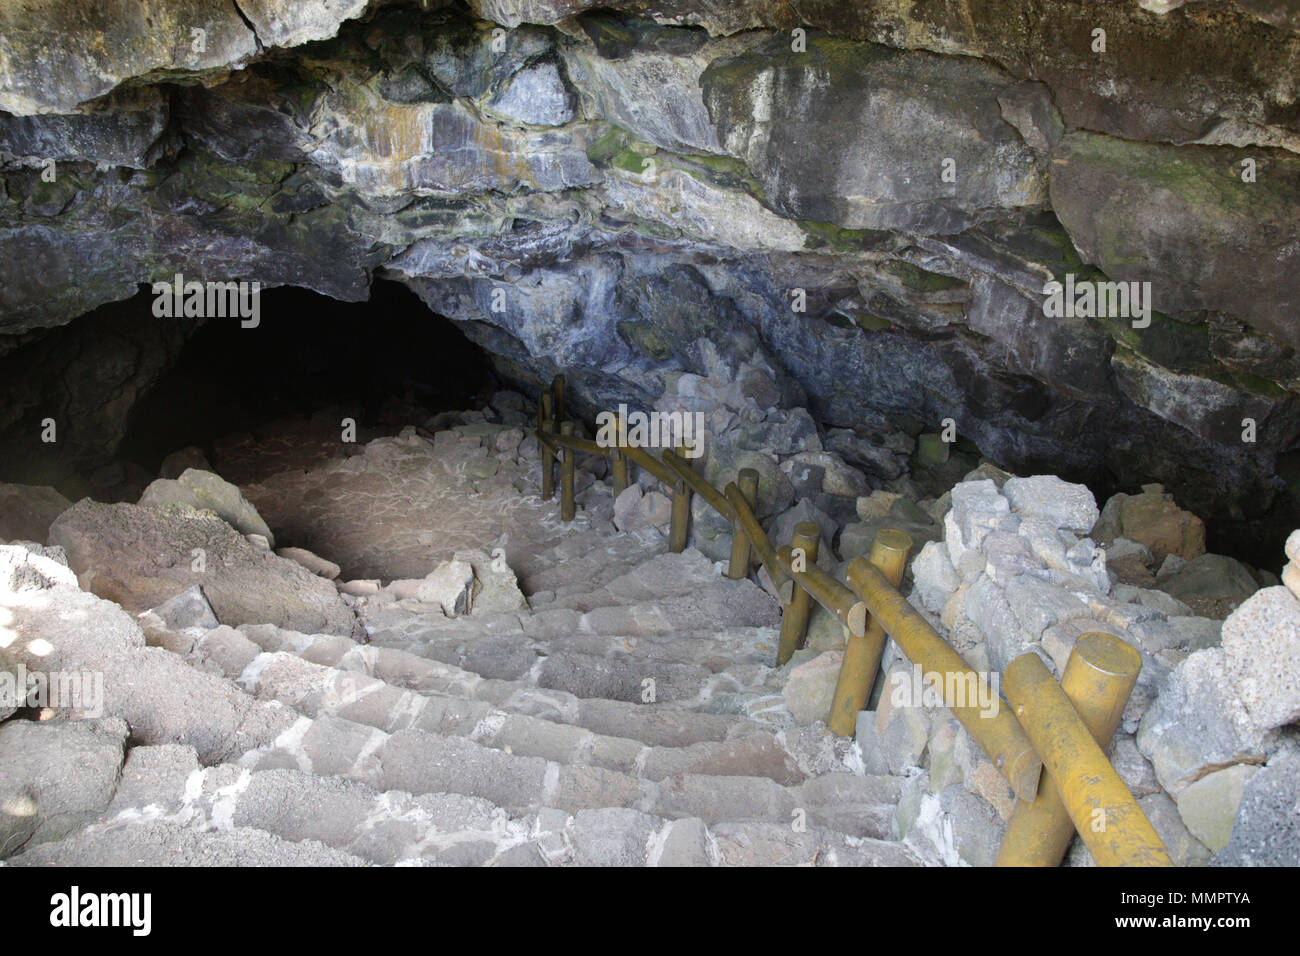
(545, 425)
(557, 389)
(862, 654)
(1099, 676)
(620, 458)
(677, 532)
(747, 482)
(998, 734)
(794, 619)
(1102, 808)
(568, 509)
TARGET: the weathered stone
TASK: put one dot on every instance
(140, 557)
(775, 492)
(205, 491)
(1210, 583)
(312, 562)
(1198, 723)
(451, 585)
(757, 99)
(934, 577)
(1045, 496)
(635, 509)
(13, 688)
(55, 776)
(187, 611)
(1153, 520)
(27, 511)
(1261, 645)
(1208, 806)
(810, 686)
(1102, 188)
(536, 95)
(180, 461)
(1267, 828)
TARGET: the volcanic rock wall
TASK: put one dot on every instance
(870, 198)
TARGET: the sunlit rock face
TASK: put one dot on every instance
(871, 201)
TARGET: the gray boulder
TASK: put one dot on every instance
(1267, 829)
(27, 511)
(208, 492)
(55, 776)
(1261, 644)
(141, 557)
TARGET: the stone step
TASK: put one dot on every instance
(686, 661)
(588, 558)
(417, 762)
(165, 792)
(655, 724)
(167, 784)
(317, 690)
(158, 843)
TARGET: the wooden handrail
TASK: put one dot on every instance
(584, 445)
(650, 463)
(872, 595)
(837, 598)
(716, 499)
(758, 539)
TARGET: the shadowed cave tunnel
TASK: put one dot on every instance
(162, 384)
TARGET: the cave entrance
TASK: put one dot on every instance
(310, 362)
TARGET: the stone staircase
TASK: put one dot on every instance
(628, 715)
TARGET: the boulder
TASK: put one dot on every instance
(1198, 723)
(13, 688)
(1065, 505)
(451, 585)
(1267, 829)
(838, 477)
(180, 621)
(933, 577)
(1211, 584)
(142, 556)
(1209, 806)
(497, 587)
(55, 776)
(312, 562)
(178, 462)
(775, 492)
(781, 529)
(1261, 646)
(809, 687)
(1152, 519)
(205, 491)
(27, 511)
(635, 509)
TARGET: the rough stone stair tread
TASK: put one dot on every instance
(158, 843)
(657, 724)
(417, 762)
(315, 690)
(435, 829)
